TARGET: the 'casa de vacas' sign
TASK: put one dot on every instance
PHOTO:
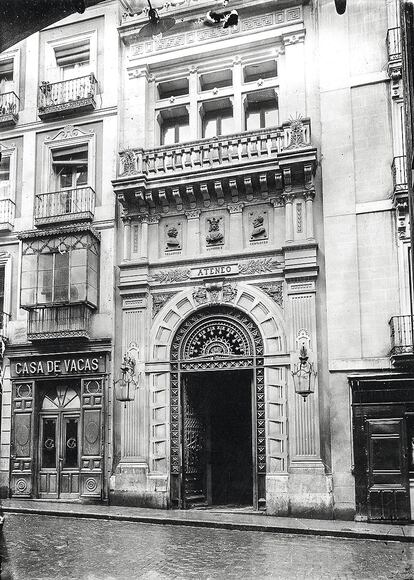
(54, 366)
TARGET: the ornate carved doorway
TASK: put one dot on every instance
(218, 450)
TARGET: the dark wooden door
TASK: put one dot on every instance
(381, 467)
(194, 444)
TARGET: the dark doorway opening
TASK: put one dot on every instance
(217, 438)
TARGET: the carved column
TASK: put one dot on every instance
(126, 253)
(193, 108)
(192, 246)
(153, 236)
(288, 200)
(309, 197)
(143, 253)
(236, 226)
(238, 112)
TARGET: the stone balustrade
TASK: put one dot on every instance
(223, 151)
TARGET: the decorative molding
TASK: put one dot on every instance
(235, 207)
(274, 290)
(69, 132)
(204, 34)
(214, 293)
(158, 301)
(259, 266)
(294, 38)
(167, 276)
(193, 214)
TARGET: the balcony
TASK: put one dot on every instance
(67, 97)
(401, 340)
(9, 109)
(7, 212)
(220, 169)
(64, 206)
(58, 322)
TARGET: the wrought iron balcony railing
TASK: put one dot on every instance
(65, 206)
(71, 96)
(401, 335)
(399, 173)
(7, 213)
(224, 151)
(66, 321)
(9, 109)
(394, 44)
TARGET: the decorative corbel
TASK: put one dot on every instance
(218, 188)
(234, 190)
(205, 194)
(248, 186)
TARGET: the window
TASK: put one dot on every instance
(217, 118)
(70, 167)
(6, 76)
(216, 80)
(5, 177)
(73, 59)
(60, 277)
(261, 70)
(175, 88)
(174, 125)
(261, 110)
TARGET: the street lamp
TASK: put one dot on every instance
(304, 375)
(127, 383)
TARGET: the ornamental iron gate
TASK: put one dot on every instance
(215, 338)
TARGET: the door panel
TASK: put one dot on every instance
(387, 470)
(194, 444)
(21, 463)
(91, 452)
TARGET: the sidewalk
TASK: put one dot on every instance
(214, 518)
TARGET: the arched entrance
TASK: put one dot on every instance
(217, 401)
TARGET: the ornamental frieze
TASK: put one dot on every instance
(158, 301)
(214, 293)
(274, 290)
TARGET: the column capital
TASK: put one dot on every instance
(154, 219)
(235, 207)
(309, 194)
(277, 201)
(144, 218)
(288, 197)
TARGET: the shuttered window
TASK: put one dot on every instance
(78, 52)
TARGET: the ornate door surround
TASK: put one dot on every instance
(217, 337)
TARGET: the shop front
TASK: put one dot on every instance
(58, 426)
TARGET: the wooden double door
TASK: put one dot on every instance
(58, 475)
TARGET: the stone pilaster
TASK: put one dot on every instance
(309, 197)
(236, 226)
(126, 251)
(192, 246)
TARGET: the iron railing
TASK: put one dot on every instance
(66, 92)
(9, 105)
(394, 44)
(61, 321)
(399, 173)
(223, 151)
(63, 206)
(401, 334)
(7, 213)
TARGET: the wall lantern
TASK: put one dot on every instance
(128, 381)
(304, 374)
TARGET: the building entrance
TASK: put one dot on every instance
(58, 454)
(217, 438)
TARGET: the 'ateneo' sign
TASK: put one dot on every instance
(62, 365)
(216, 270)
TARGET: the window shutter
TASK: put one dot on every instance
(74, 54)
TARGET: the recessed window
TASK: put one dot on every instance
(261, 70)
(70, 167)
(6, 76)
(4, 176)
(217, 118)
(174, 125)
(216, 79)
(261, 110)
(73, 59)
(174, 88)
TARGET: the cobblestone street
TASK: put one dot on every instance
(42, 547)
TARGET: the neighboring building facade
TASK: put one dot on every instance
(261, 215)
(58, 128)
